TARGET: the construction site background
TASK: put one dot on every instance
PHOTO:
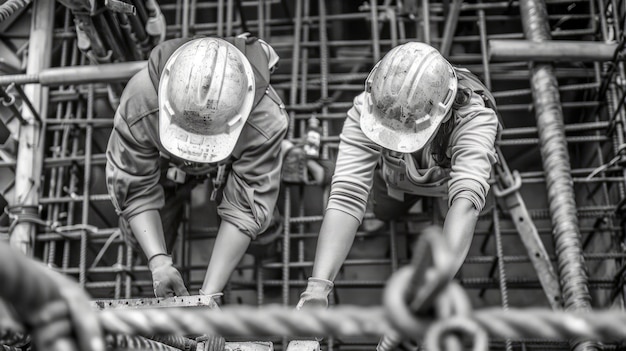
(555, 69)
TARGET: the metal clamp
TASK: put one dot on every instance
(517, 184)
(218, 181)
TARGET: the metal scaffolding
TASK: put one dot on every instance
(53, 181)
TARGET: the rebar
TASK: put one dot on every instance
(9, 7)
(554, 152)
(297, 36)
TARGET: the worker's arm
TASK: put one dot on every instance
(132, 177)
(230, 246)
(351, 185)
(148, 230)
(333, 244)
(250, 193)
(458, 228)
(472, 156)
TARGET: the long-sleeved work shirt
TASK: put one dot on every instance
(470, 149)
(134, 150)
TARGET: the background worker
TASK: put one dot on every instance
(427, 126)
(202, 109)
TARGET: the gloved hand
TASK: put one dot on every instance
(316, 294)
(166, 279)
(217, 297)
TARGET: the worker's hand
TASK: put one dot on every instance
(316, 294)
(166, 279)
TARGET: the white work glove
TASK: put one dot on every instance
(166, 279)
(316, 294)
(217, 297)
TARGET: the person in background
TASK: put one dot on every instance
(421, 128)
(202, 109)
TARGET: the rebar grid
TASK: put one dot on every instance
(326, 53)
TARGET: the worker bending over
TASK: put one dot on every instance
(426, 125)
(202, 109)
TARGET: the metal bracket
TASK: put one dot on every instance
(528, 232)
(178, 301)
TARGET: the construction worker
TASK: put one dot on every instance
(426, 124)
(202, 109)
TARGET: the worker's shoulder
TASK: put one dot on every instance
(269, 117)
(139, 98)
(161, 52)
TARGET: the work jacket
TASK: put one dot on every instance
(134, 151)
(470, 151)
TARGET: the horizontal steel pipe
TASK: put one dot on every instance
(77, 74)
(554, 50)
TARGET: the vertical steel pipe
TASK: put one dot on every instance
(30, 149)
(185, 20)
(482, 29)
(325, 70)
(426, 20)
(84, 237)
(375, 34)
(229, 17)
(220, 18)
(261, 18)
(556, 164)
(450, 28)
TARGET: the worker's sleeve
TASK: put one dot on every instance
(472, 149)
(253, 184)
(356, 163)
(132, 171)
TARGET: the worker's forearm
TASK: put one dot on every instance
(459, 229)
(148, 231)
(230, 246)
(334, 243)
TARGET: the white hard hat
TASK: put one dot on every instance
(205, 95)
(408, 94)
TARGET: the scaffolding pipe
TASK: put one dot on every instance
(450, 28)
(561, 50)
(109, 72)
(29, 154)
(555, 156)
(10, 7)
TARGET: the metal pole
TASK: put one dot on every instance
(375, 34)
(77, 74)
(426, 20)
(450, 28)
(29, 154)
(185, 24)
(561, 50)
(555, 156)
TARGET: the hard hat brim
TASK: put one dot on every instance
(391, 139)
(196, 147)
(200, 147)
